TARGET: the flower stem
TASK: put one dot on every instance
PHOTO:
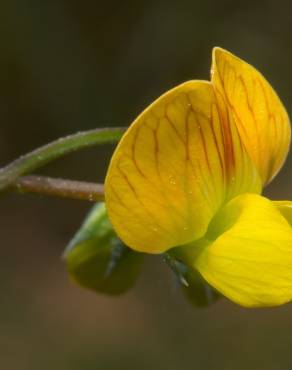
(56, 149)
(61, 188)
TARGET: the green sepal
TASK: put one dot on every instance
(98, 260)
(195, 288)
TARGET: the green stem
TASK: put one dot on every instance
(56, 149)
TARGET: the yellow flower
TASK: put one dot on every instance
(187, 175)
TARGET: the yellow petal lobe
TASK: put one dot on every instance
(259, 114)
(173, 169)
(249, 256)
(285, 207)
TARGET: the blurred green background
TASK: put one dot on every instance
(69, 65)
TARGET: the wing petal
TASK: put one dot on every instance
(249, 256)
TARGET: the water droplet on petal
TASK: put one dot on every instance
(172, 180)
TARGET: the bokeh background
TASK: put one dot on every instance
(68, 65)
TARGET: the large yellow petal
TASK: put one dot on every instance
(173, 169)
(260, 116)
(249, 256)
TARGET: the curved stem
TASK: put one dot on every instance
(56, 149)
(59, 188)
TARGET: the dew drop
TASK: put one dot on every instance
(172, 180)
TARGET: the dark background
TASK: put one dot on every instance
(74, 65)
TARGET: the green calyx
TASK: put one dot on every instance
(96, 259)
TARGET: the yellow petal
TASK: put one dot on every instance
(260, 116)
(250, 260)
(172, 170)
(285, 207)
